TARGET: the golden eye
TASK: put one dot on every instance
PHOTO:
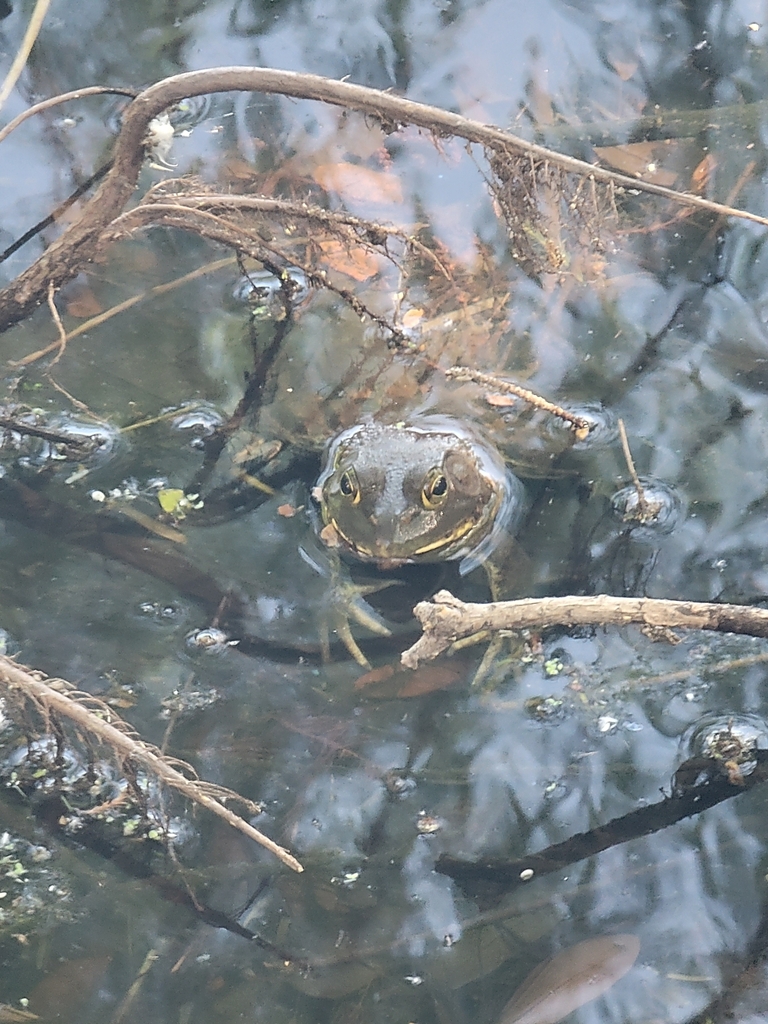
(349, 486)
(435, 489)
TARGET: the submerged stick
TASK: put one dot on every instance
(445, 619)
(644, 821)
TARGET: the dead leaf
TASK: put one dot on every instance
(644, 160)
(395, 683)
(412, 317)
(500, 401)
(351, 181)
(376, 675)
(82, 303)
(572, 978)
(237, 169)
(287, 511)
(353, 260)
(625, 69)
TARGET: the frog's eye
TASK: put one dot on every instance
(435, 489)
(349, 486)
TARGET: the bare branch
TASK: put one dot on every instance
(445, 619)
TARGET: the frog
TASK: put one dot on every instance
(423, 490)
(410, 465)
(428, 489)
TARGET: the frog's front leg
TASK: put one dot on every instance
(345, 604)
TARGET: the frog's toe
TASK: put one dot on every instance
(353, 606)
(348, 605)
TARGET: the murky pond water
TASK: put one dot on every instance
(438, 820)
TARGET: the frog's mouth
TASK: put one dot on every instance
(386, 561)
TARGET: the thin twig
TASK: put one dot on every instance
(165, 769)
(579, 424)
(75, 401)
(445, 619)
(33, 30)
(64, 97)
(645, 510)
(56, 213)
(121, 307)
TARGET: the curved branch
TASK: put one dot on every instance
(445, 619)
(66, 256)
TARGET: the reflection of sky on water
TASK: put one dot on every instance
(499, 782)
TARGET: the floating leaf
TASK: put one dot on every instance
(286, 511)
(359, 183)
(169, 498)
(572, 978)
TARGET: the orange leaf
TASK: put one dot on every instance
(642, 160)
(287, 511)
(389, 681)
(359, 183)
(376, 675)
(702, 173)
(412, 317)
(353, 260)
(500, 401)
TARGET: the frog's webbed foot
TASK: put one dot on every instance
(345, 604)
(501, 588)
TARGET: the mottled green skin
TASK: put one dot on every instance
(427, 490)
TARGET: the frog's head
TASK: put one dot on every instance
(423, 491)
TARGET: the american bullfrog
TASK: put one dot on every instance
(430, 489)
(417, 466)
(427, 490)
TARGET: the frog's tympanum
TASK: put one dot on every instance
(426, 490)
